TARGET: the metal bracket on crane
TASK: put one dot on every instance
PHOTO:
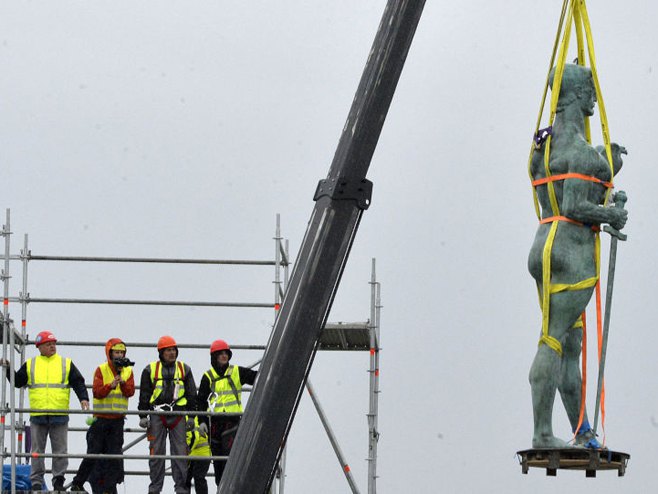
(343, 189)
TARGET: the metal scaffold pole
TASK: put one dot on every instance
(373, 431)
(332, 438)
(7, 340)
(23, 296)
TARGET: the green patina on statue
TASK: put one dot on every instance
(571, 251)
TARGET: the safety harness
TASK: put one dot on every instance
(576, 14)
(167, 407)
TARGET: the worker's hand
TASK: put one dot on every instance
(144, 422)
(84, 404)
(203, 429)
(115, 382)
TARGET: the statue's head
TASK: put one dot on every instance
(577, 83)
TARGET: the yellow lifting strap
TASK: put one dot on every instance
(575, 13)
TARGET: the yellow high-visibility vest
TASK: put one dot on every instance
(115, 401)
(198, 444)
(179, 385)
(48, 383)
(224, 397)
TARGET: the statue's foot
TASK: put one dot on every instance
(548, 441)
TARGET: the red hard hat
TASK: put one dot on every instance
(219, 345)
(166, 342)
(44, 337)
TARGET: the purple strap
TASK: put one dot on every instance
(542, 135)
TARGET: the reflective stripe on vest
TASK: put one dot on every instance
(158, 383)
(222, 397)
(48, 383)
(114, 401)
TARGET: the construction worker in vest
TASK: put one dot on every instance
(167, 385)
(49, 378)
(199, 446)
(220, 392)
(113, 385)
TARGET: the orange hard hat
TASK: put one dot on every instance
(219, 345)
(166, 342)
(44, 337)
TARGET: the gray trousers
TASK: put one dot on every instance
(157, 434)
(58, 444)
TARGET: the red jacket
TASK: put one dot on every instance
(101, 390)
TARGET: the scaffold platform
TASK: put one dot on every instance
(590, 460)
(346, 336)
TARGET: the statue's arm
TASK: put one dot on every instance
(578, 205)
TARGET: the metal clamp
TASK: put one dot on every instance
(343, 189)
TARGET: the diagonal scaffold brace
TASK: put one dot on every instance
(615, 235)
(340, 200)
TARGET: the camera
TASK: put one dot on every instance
(122, 362)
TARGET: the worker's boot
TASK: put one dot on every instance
(75, 487)
(58, 484)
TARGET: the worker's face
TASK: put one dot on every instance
(169, 355)
(222, 357)
(48, 349)
(117, 354)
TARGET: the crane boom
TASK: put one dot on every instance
(340, 200)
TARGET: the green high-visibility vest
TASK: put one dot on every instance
(179, 384)
(114, 401)
(48, 383)
(224, 397)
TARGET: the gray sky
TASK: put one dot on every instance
(169, 129)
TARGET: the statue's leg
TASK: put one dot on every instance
(570, 383)
(543, 382)
(570, 389)
(546, 370)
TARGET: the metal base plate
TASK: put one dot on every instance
(590, 460)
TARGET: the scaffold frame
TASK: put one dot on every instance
(361, 336)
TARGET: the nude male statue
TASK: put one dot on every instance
(564, 251)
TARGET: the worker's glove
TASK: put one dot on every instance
(144, 422)
(203, 429)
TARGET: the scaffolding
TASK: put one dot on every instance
(360, 336)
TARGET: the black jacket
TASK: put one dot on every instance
(146, 388)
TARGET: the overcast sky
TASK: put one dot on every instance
(177, 129)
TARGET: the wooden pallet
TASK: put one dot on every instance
(590, 460)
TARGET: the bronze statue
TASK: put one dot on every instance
(563, 257)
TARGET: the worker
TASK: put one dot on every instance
(199, 446)
(580, 177)
(49, 378)
(166, 385)
(220, 392)
(113, 385)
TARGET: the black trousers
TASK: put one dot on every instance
(103, 436)
(222, 434)
(198, 470)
